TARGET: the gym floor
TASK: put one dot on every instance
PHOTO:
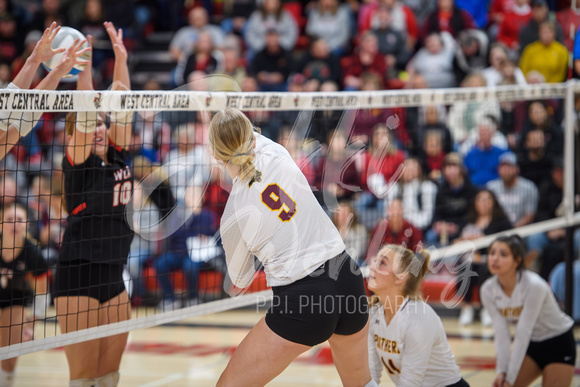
(195, 351)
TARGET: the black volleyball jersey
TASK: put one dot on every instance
(96, 195)
(13, 274)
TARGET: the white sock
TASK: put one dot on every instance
(109, 380)
(82, 383)
(6, 378)
(372, 383)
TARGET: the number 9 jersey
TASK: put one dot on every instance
(96, 196)
(275, 217)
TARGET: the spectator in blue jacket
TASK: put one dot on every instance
(482, 160)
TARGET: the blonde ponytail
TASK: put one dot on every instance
(231, 138)
(246, 163)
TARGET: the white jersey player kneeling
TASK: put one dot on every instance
(406, 336)
(544, 342)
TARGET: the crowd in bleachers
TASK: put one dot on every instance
(324, 40)
(437, 173)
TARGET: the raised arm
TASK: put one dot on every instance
(42, 52)
(120, 132)
(15, 125)
(80, 143)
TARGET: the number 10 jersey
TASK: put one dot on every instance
(96, 196)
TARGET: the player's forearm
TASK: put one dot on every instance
(7, 140)
(24, 78)
(51, 81)
(121, 79)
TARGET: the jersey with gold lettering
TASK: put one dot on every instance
(533, 307)
(412, 348)
(275, 217)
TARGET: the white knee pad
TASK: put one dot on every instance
(372, 383)
(82, 383)
(6, 378)
(109, 380)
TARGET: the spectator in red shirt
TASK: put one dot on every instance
(381, 167)
(515, 19)
(447, 17)
(404, 19)
(337, 176)
(434, 154)
(203, 58)
(386, 157)
(395, 230)
(287, 138)
(365, 59)
(498, 9)
(216, 192)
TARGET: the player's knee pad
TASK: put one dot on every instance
(6, 378)
(372, 383)
(82, 383)
(109, 380)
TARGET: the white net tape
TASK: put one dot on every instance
(56, 101)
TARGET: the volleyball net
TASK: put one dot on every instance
(368, 156)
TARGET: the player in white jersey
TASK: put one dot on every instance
(318, 289)
(544, 341)
(406, 337)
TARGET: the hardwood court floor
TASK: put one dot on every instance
(195, 351)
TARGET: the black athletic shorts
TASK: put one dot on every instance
(330, 300)
(101, 281)
(460, 383)
(559, 349)
(15, 298)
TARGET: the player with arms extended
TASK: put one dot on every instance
(318, 289)
(406, 337)
(89, 287)
(16, 125)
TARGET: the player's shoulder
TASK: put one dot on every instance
(489, 285)
(419, 307)
(418, 317)
(533, 281)
(266, 145)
